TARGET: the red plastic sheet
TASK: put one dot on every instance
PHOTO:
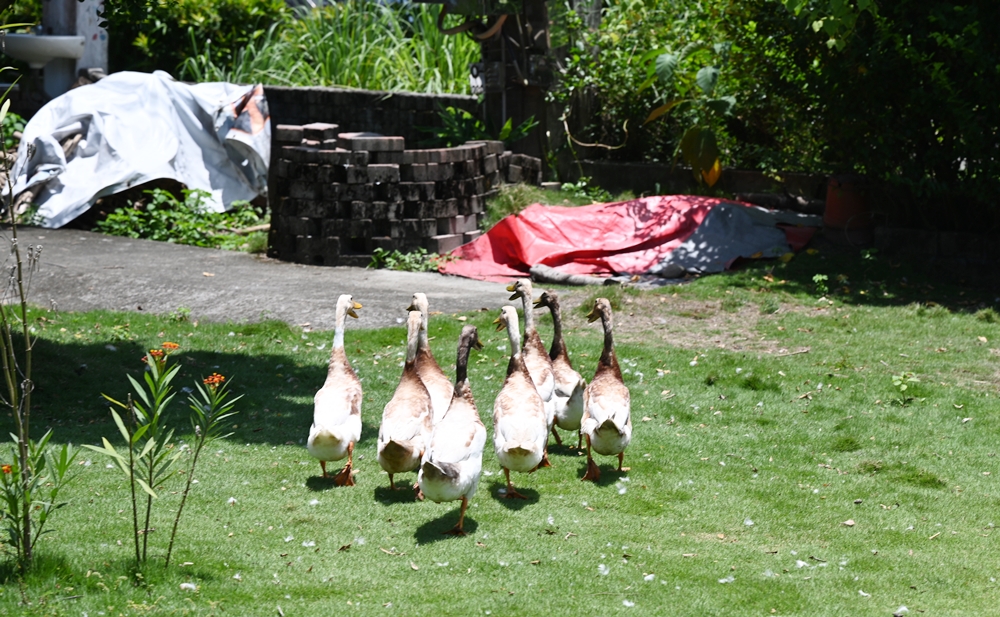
(615, 238)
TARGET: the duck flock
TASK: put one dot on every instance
(432, 425)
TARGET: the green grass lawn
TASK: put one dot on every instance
(765, 419)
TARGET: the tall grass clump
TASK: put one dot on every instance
(353, 44)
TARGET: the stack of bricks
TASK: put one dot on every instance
(336, 197)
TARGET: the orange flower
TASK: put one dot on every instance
(156, 353)
(170, 346)
(214, 380)
(5, 468)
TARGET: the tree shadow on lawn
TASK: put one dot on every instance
(437, 529)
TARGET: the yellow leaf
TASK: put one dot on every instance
(757, 255)
(787, 257)
(661, 110)
(711, 176)
(812, 251)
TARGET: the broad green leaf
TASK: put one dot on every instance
(700, 150)
(648, 82)
(707, 77)
(662, 109)
(146, 487)
(507, 128)
(121, 426)
(666, 66)
(722, 105)
(649, 55)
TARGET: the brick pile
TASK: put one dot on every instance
(339, 196)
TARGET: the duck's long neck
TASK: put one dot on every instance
(529, 316)
(516, 362)
(338, 334)
(557, 338)
(462, 363)
(608, 355)
(412, 342)
(424, 342)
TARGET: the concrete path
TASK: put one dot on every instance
(82, 271)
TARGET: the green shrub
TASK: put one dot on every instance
(163, 217)
(417, 261)
(158, 35)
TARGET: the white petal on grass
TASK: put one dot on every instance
(649, 577)
(603, 569)
(314, 502)
(863, 594)
(728, 579)
(189, 587)
(902, 610)
(359, 541)
(231, 501)
(111, 348)
(238, 576)
(621, 488)
(551, 520)
(801, 564)
(289, 538)
(627, 603)
(308, 543)
(748, 522)
(769, 573)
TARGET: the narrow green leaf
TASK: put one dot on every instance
(121, 425)
(662, 109)
(146, 487)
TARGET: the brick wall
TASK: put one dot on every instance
(337, 196)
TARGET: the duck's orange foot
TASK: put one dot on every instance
(344, 478)
(593, 473)
(419, 493)
(555, 434)
(545, 461)
(454, 531)
(623, 469)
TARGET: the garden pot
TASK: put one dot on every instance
(847, 216)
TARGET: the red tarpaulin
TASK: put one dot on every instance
(624, 237)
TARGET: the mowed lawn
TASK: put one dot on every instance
(775, 467)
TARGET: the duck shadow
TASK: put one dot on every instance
(609, 474)
(565, 449)
(513, 503)
(319, 483)
(387, 496)
(437, 529)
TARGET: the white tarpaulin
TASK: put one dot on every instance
(137, 127)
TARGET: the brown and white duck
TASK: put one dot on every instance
(607, 419)
(336, 423)
(569, 384)
(406, 419)
(436, 382)
(536, 359)
(520, 430)
(453, 460)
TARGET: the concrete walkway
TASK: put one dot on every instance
(82, 271)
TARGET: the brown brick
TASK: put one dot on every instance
(514, 174)
(361, 228)
(334, 191)
(427, 190)
(383, 172)
(360, 210)
(385, 243)
(357, 175)
(417, 209)
(489, 163)
(469, 236)
(444, 244)
(444, 208)
(371, 142)
(309, 250)
(288, 134)
(408, 191)
(444, 171)
(300, 226)
(477, 204)
(320, 131)
(336, 227)
(280, 245)
(310, 208)
(302, 190)
(387, 191)
(387, 158)
(394, 211)
(419, 228)
(467, 169)
(361, 192)
(378, 210)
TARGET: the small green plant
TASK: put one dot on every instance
(11, 124)
(39, 495)
(583, 188)
(460, 126)
(903, 380)
(181, 315)
(150, 453)
(988, 315)
(209, 410)
(819, 280)
(869, 254)
(417, 261)
(769, 305)
(164, 218)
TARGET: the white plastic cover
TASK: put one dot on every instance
(138, 127)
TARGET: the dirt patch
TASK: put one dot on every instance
(682, 322)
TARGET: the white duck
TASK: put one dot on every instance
(519, 424)
(453, 460)
(436, 382)
(569, 385)
(607, 419)
(536, 359)
(336, 423)
(406, 419)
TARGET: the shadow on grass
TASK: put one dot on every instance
(319, 483)
(566, 450)
(609, 474)
(437, 529)
(404, 493)
(513, 503)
